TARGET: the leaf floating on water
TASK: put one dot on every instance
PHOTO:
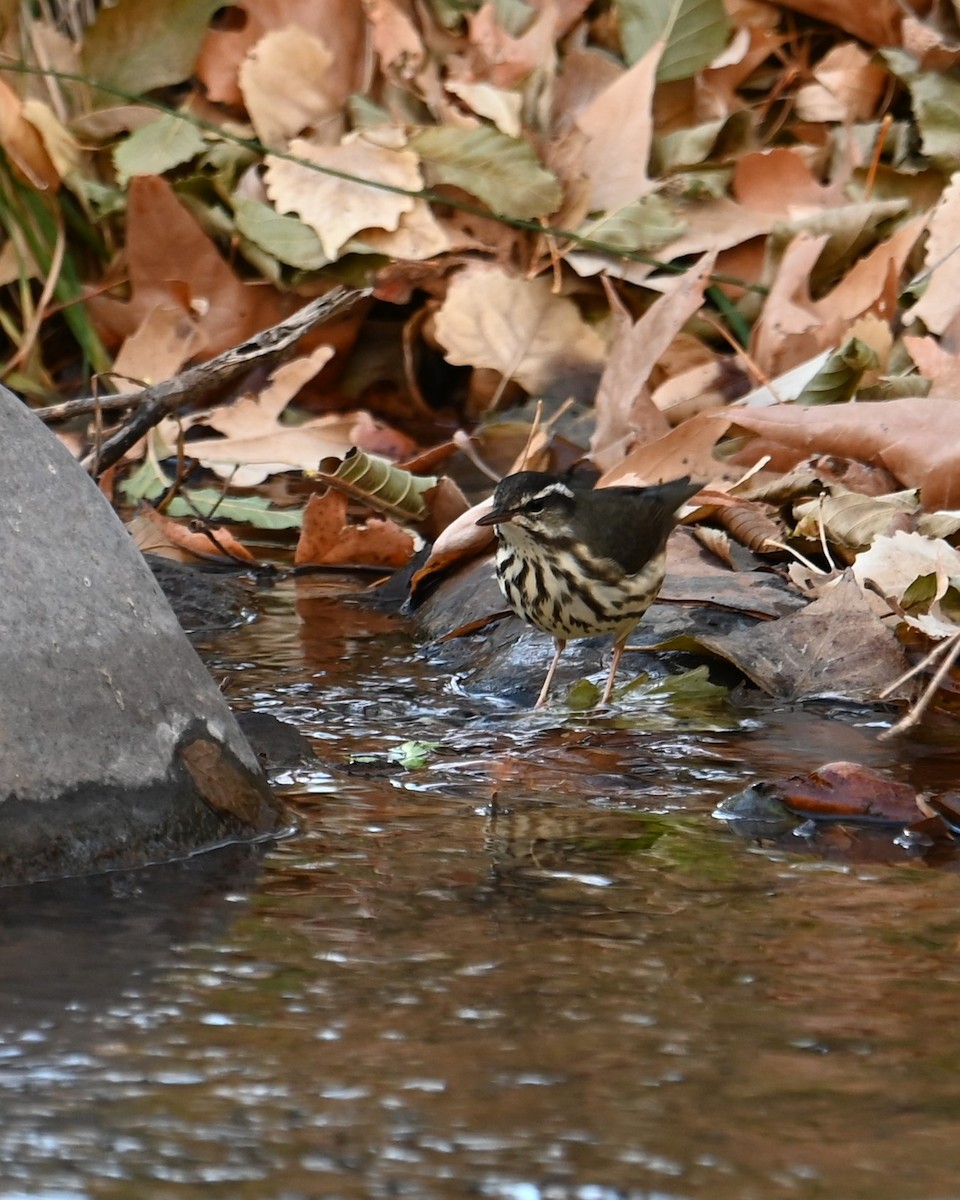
(412, 755)
(848, 791)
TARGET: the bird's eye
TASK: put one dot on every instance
(533, 507)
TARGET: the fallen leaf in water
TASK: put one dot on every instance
(156, 534)
(847, 791)
(329, 538)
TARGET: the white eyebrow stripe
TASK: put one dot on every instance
(553, 489)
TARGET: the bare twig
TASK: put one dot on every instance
(913, 715)
(192, 385)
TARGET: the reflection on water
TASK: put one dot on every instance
(535, 969)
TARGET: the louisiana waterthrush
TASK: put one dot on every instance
(576, 562)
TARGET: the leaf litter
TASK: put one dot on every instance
(714, 245)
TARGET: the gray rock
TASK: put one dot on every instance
(116, 748)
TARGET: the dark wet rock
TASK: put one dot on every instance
(277, 744)
(509, 659)
(117, 748)
(204, 601)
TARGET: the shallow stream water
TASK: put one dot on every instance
(536, 967)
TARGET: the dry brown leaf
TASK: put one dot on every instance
(789, 331)
(936, 364)
(517, 327)
(917, 439)
(255, 443)
(848, 87)
(711, 225)
(928, 45)
(395, 38)
(171, 261)
(686, 450)
(339, 24)
(283, 81)
(836, 647)
(336, 208)
(751, 525)
(511, 61)
(624, 411)
(780, 181)
(461, 541)
(939, 305)
(850, 520)
(617, 130)
(873, 282)
(160, 535)
(750, 48)
(877, 23)
(166, 339)
(23, 144)
(329, 538)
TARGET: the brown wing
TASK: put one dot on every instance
(630, 525)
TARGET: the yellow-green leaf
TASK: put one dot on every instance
(286, 238)
(695, 31)
(157, 147)
(501, 171)
(379, 482)
(837, 379)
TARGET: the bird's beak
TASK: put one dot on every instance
(496, 517)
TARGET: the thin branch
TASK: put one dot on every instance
(913, 715)
(191, 386)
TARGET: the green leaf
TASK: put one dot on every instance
(936, 105)
(379, 481)
(412, 755)
(836, 381)
(145, 483)
(247, 510)
(514, 16)
(582, 695)
(501, 171)
(645, 224)
(695, 32)
(157, 147)
(139, 45)
(285, 237)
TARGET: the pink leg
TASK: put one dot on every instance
(551, 671)
(614, 663)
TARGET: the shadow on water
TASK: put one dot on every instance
(534, 967)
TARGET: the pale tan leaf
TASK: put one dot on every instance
(511, 61)
(338, 208)
(851, 520)
(166, 339)
(848, 87)
(939, 305)
(515, 326)
(894, 565)
(282, 81)
(618, 130)
(624, 409)
(498, 105)
(396, 41)
(419, 236)
(788, 331)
